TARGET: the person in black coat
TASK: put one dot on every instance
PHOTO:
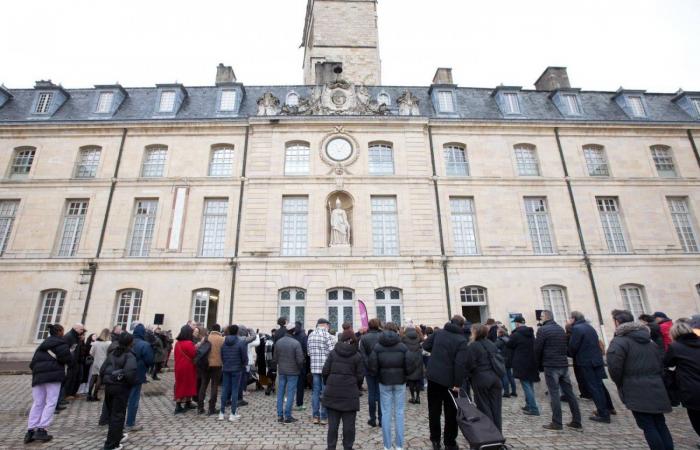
(367, 343)
(654, 331)
(342, 373)
(684, 355)
(508, 380)
(48, 372)
(485, 382)
(72, 381)
(412, 339)
(119, 374)
(300, 335)
(635, 366)
(448, 349)
(550, 351)
(522, 347)
(584, 348)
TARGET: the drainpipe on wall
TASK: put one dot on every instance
(439, 219)
(234, 260)
(695, 147)
(586, 258)
(93, 265)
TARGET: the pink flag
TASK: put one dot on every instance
(364, 318)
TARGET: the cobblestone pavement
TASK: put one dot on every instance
(76, 427)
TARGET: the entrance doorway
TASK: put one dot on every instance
(204, 306)
(473, 314)
(474, 303)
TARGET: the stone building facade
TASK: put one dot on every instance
(215, 203)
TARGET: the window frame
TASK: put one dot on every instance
(377, 162)
(161, 101)
(219, 224)
(626, 301)
(522, 165)
(450, 157)
(8, 215)
(223, 105)
(340, 303)
(297, 159)
(214, 163)
(565, 97)
(13, 173)
(388, 303)
(669, 158)
(606, 163)
(150, 149)
(291, 95)
(55, 313)
(536, 233)
(549, 288)
(443, 106)
(688, 237)
(387, 96)
(195, 307)
(381, 216)
(293, 303)
(632, 105)
(75, 213)
(137, 296)
(44, 107)
(471, 213)
(511, 108)
(290, 245)
(607, 225)
(99, 105)
(80, 162)
(473, 290)
(145, 251)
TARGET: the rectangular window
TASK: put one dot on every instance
(538, 224)
(88, 160)
(571, 102)
(456, 161)
(663, 160)
(683, 222)
(295, 211)
(555, 300)
(104, 102)
(612, 224)
(43, 103)
(22, 162)
(596, 161)
(73, 223)
(464, 226)
(696, 103)
(381, 160)
(221, 164)
(167, 101)
(214, 227)
(385, 226)
(636, 106)
(526, 158)
(510, 100)
(296, 160)
(445, 101)
(633, 300)
(51, 311)
(128, 308)
(142, 231)
(154, 162)
(8, 209)
(228, 100)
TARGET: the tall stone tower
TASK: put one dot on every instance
(341, 42)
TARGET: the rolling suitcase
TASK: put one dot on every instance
(477, 429)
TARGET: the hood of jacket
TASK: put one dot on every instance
(411, 334)
(139, 331)
(389, 338)
(452, 328)
(51, 342)
(634, 330)
(345, 349)
(231, 340)
(690, 339)
(525, 331)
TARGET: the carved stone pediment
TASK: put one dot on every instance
(408, 104)
(268, 105)
(336, 98)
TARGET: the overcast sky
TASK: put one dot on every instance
(638, 44)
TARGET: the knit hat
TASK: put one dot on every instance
(519, 319)
(660, 315)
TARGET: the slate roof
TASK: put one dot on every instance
(471, 104)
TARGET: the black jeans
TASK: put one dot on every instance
(559, 377)
(116, 399)
(488, 400)
(439, 399)
(211, 375)
(334, 419)
(301, 386)
(694, 416)
(375, 406)
(593, 380)
(655, 430)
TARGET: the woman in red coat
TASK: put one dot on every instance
(185, 370)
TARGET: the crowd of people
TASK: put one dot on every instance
(653, 361)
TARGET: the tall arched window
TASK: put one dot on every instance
(292, 304)
(221, 163)
(634, 299)
(554, 299)
(205, 303)
(128, 307)
(296, 158)
(526, 159)
(596, 160)
(381, 158)
(154, 161)
(389, 305)
(341, 307)
(475, 302)
(663, 160)
(50, 312)
(22, 161)
(456, 160)
(88, 161)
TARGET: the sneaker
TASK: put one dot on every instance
(316, 420)
(574, 425)
(506, 395)
(599, 419)
(125, 437)
(525, 408)
(292, 420)
(280, 419)
(60, 408)
(242, 403)
(613, 412)
(221, 416)
(324, 421)
(300, 408)
(436, 445)
(527, 412)
(234, 417)
(29, 437)
(133, 428)
(41, 435)
(553, 427)
(371, 423)
(513, 394)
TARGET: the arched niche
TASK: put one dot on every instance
(346, 204)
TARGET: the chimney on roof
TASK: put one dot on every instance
(443, 76)
(553, 78)
(224, 74)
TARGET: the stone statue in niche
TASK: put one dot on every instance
(408, 104)
(340, 226)
(268, 105)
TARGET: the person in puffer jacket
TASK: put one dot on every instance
(412, 339)
(48, 372)
(234, 358)
(636, 368)
(391, 363)
(119, 374)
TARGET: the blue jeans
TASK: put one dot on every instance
(393, 399)
(375, 406)
(243, 383)
(508, 382)
(287, 384)
(318, 409)
(530, 400)
(133, 407)
(229, 391)
(655, 430)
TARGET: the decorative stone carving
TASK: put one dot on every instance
(337, 98)
(408, 104)
(268, 105)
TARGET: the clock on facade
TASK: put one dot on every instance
(339, 149)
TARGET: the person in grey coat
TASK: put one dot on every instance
(289, 359)
(636, 367)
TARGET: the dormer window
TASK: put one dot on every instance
(167, 101)
(636, 105)
(571, 104)
(384, 99)
(292, 99)
(43, 103)
(696, 104)
(510, 101)
(104, 102)
(228, 100)
(445, 102)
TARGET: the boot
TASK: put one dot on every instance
(179, 409)
(29, 437)
(41, 435)
(417, 398)
(190, 405)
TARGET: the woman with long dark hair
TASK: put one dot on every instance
(485, 382)
(185, 370)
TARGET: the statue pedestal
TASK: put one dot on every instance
(339, 250)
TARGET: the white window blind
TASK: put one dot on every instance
(636, 105)
(104, 102)
(167, 101)
(510, 100)
(572, 106)
(445, 102)
(228, 100)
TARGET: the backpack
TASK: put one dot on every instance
(201, 358)
(113, 370)
(497, 362)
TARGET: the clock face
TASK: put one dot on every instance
(339, 149)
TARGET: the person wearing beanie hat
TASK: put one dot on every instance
(342, 373)
(665, 324)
